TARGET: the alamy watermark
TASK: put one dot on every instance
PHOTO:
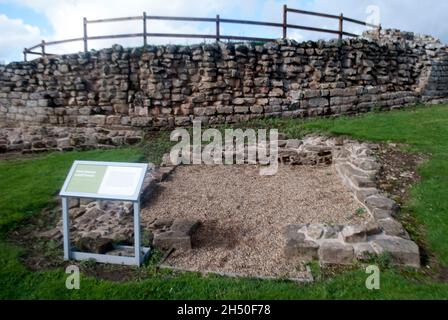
(236, 146)
(73, 279)
(373, 280)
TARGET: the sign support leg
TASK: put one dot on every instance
(137, 246)
(66, 228)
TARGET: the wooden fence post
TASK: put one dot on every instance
(285, 21)
(144, 30)
(341, 26)
(24, 55)
(42, 45)
(218, 28)
(84, 22)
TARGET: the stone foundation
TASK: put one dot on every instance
(329, 244)
(342, 245)
(34, 139)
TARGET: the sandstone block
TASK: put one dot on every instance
(353, 234)
(403, 252)
(336, 253)
(172, 239)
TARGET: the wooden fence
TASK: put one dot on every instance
(218, 21)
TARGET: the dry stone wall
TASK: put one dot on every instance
(160, 87)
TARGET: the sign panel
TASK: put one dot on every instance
(104, 180)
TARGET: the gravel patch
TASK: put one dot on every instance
(243, 213)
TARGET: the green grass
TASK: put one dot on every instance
(27, 186)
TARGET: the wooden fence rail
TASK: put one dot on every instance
(284, 25)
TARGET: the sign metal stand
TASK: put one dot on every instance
(105, 181)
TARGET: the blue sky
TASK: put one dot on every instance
(24, 23)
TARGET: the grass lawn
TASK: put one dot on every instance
(28, 185)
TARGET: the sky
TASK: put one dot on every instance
(24, 23)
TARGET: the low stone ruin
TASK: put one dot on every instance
(341, 245)
(35, 139)
(108, 222)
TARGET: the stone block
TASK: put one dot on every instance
(402, 251)
(364, 251)
(315, 231)
(92, 245)
(380, 202)
(393, 228)
(296, 246)
(172, 239)
(336, 253)
(382, 214)
(353, 234)
(186, 226)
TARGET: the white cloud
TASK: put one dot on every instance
(15, 35)
(65, 17)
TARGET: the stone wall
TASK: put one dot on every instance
(165, 86)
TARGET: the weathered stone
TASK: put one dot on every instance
(99, 246)
(336, 253)
(315, 231)
(382, 214)
(187, 226)
(393, 228)
(332, 232)
(172, 239)
(303, 250)
(296, 246)
(403, 252)
(380, 202)
(364, 193)
(162, 223)
(372, 228)
(364, 251)
(353, 234)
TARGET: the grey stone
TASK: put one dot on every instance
(332, 232)
(364, 251)
(171, 239)
(382, 214)
(403, 252)
(92, 245)
(296, 246)
(393, 228)
(352, 234)
(372, 228)
(186, 226)
(363, 194)
(380, 202)
(304, 250)
(336, 253)
(315, 231)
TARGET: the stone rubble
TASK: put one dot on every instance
(341, 245)
(330, 244)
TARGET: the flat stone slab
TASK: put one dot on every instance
(172, 239)
(402, 251)
(336, 253)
